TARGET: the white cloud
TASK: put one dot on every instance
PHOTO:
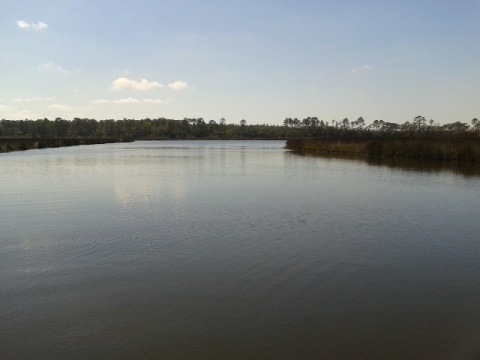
(31, 26)
(66, 108)
(59, 107)
(154, 101)
(178, 85)
(15, 114)
(127, 101)
(40, 26)
(23, 24)
(100, 101)
(50, 66)
(33, 99)
(357, 69)
(5, 108)
(142, 85)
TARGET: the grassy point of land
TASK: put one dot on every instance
(19, 144)
(427, 148)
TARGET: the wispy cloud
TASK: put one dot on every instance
(142, 85)
(358, 69)
(34, 99)
(50, 66)
(4, 108)
(178, 85)
(154, 101)
(100, 101)
(67, 108)
(15, 114)
(31, 26)
(128, 101)
(59, 107)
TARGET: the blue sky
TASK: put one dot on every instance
(261, 61)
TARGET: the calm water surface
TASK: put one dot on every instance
(235, 250)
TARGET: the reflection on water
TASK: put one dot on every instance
(235, 250)
(459, 168)
(466, 169)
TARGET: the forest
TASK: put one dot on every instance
(198, 128)
(416, 139)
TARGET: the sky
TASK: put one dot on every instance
(261, 61)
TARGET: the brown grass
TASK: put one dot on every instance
(444, 149)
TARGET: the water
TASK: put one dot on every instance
(235, 250)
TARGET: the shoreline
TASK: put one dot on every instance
(21, 144)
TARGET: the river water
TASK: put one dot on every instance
(235, 250)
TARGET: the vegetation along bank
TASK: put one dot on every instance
(18, 144)
(416, 139)
(427, 148)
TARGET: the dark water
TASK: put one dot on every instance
(235, 250)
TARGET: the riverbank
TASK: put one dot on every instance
(19, 144)
(442, 148)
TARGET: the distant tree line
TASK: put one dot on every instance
(146, 129)
(419, 127)
(198, 128)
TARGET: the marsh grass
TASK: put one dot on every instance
(442, 148)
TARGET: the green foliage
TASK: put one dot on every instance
(198, 128)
